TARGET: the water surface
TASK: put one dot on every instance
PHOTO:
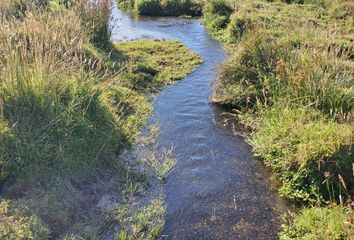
(217, 190)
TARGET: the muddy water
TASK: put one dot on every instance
(217, 190)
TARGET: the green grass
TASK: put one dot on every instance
(153, 63)
(306, 72)
(81, 118)
(70, 101)
(228, 20)
(320, 223)
(274, 67)
(162, 7)
(290, 76)
(145, 223)
(16, 224)
(300, 146)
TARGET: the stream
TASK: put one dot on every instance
(217, 189)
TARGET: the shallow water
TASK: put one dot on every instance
(217, 190)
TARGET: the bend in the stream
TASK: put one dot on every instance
(217, 190)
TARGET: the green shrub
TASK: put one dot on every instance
(216, 17)
(181, 7)
(148, 7)
(237, 27)
(125, 4)
(193, 7)
(319, 223)
(219, 23)
(163, 7)
(300, 146)
(172, 6)
(219, 7)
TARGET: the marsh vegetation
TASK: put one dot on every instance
(70, 102)
(290, 79)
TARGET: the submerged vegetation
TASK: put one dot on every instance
(290, 77)
(70, 101)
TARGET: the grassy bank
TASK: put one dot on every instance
(290, 77)
(163, 7)
(152, 63)
(70, 101)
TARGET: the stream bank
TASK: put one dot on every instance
(217, 190)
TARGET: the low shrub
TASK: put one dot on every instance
(125, 4)
(216, 16)
(163, 7)
(237, 27)
(219, 7)
(181, 7)
(148, 7)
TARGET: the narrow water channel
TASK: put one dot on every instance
(217, 190)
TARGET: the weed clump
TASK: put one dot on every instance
(148, 7)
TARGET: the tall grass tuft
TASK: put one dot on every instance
(51, 102)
